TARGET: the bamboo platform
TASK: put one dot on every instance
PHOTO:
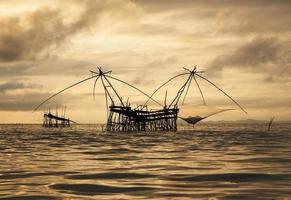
(50, 120)
(127, 119)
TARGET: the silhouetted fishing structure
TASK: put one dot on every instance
(50, 120)
(270, 123)
(122, 117)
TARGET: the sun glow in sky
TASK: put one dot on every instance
(244, 47)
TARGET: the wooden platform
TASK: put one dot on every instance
(50, 120)
(124, 118)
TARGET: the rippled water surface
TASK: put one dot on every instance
(208, 162)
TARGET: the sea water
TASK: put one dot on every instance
(208, 161)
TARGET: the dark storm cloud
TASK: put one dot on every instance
(32, 35)
(264, 55)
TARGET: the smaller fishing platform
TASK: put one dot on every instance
(50, 120)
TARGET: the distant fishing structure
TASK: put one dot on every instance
(270, 123)
(121, 117)
(50, 120)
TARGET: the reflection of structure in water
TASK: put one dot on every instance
(122, 117)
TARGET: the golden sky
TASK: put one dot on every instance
(46, 45)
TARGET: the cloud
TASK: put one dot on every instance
(152, 68)
(257, 51)
(28, 101)
(14, 69)
(61, 66)
(33, 35)
(220, 18)
(222, 3)
(170, 5)
(264, 19)
(147, 30)
(19, 41)
(9, 86)
(51, 66)
(248, 102)
(261, 54)
(22, 102)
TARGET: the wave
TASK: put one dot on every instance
(31, 197)
(111, 175)
(94, 189)
(233, 177)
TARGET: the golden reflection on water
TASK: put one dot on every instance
(212, 162)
